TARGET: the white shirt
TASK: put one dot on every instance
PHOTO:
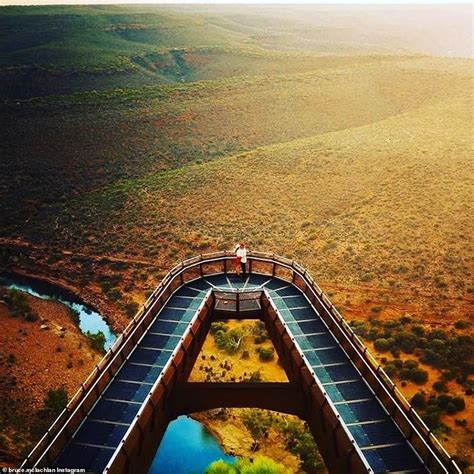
(242, 253)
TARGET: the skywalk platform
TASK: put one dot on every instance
(369, 428)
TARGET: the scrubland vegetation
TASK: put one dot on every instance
(242, 352)
(43, 361)
(135, 137)
(260, 464)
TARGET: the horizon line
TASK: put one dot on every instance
(380, 3)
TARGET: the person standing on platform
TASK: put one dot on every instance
(241, 259)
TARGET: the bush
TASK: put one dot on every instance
(382, 344)
(114, 294)
(300, 442)
(432, 417)
(254, 377)
(97, 340)
(219, 326)
(258, 465)
(417, 375)
(440, 386)
(459, 403)
(447, 403)
(419, 400)
(390, 370)
(31, 317)
(257, 422)
(56, 401)
(266, 354)
(131, 308)
(410, 364)
(229, 341)
(461, 324)
(451, 408)
(17, 302)
(406, 341)
(418, 329)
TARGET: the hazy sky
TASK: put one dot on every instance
(326, 2)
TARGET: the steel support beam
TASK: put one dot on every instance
(193, 397)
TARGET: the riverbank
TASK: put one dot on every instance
(86, 318)
(89, 297)
(236, 440)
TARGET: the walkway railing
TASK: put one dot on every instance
(59, 434)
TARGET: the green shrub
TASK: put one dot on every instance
(461, 324)
(432, 417)
(97, 340)
(390, 370)
(56, 401)
(257, 422)
(417, 375)
(419, 400)
(459, 403)
(300, 442)
(229, 341)
(257, 465)
(406, 341)
(451, 408)
(382, 344)
(18, 302)
(219, 326)
(418, 329)
(410, 364)
(114, 294)
(440, 386)
(266, 354)
(254, 377)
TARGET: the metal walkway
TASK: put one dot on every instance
(377, 438)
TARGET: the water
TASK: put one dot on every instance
(89, 320)
(187, 448)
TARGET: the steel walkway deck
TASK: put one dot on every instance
(377, 436)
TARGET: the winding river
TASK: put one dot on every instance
(89, 320)
(184, 435)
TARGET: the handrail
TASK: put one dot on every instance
(158, 381)
(318, 383)
(415, 422)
